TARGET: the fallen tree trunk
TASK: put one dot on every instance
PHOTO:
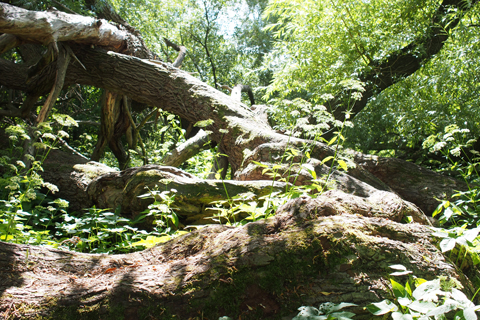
(311, 252)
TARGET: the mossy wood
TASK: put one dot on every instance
(312, 251)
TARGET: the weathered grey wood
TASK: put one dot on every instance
(54, 26)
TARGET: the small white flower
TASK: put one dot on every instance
(48, 135)
(357, 95)
(50, 186)
(63, 134)
(438, 146)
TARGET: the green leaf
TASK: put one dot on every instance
(175, 220)
(332, 141)
(203, 123)
(399, 267)
(260, 164)
(408, 288)
(404, 301)
(398, 289)
(327, 159)
(422, 306)
(383, 307)
(471, 234)
(401, 316)
(439, 208)
(427, 290)
(293, 151)
(448, 213)
(441, 310)
(344, 315)
(151, 241)
(307, 311)
(460, 297)
(402, 270)
(400, 273)
(469, 314)
(342, 305)
(447, 244)
(343, 165)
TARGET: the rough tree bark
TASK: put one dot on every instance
(336, 247)
(313, 251)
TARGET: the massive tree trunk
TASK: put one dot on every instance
(336, 247)
(313, 251)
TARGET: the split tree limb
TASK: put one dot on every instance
(63, 60)
(237, 93)
(59, 27)
(182, 51)
(188, 149)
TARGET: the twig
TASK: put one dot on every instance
(64, 143)
(64, 7)
(182, 51)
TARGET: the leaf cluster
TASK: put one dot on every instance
(423, 300)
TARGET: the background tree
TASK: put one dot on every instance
(321, 44)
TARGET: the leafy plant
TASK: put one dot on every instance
(21, 208)
(326, 311)
(96, 231)
(456, 148)
(165, 220)
(467, 239)
(422, 299)
(161, 209)
(465, 210)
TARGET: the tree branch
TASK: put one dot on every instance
(188, 149)
(59, 26)
(237, 93)
(8, 41)
(182, 51)
(63, 60)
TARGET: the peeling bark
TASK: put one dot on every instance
(49, 27)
